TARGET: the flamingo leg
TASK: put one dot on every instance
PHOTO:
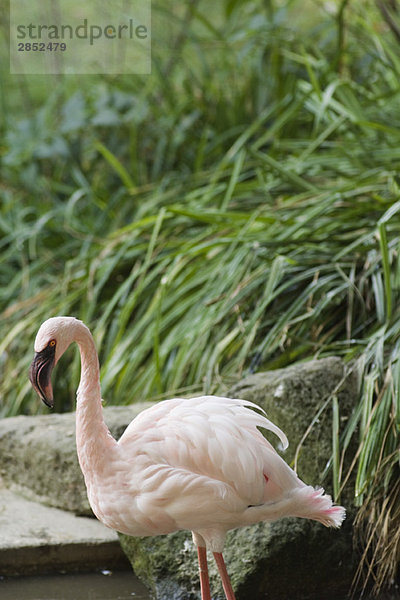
(226, 582)
(203, 569)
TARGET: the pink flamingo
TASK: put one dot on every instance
(199, 464)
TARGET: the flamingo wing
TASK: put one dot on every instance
(210, 438)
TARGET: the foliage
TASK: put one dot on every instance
(238, 210)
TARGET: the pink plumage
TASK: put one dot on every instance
(200, 464)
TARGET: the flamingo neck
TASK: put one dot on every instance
(93, 439)
(89, 392)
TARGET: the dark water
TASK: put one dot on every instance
(119, 585)
(87, 586)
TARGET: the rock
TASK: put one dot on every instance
(37, 539)
(38, 456)
(293, 397)
(290, 557)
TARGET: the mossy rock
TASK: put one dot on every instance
(292, 398)
(290, 558)
(38, 456)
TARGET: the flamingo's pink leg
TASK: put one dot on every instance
(203, 568)
(226, 582)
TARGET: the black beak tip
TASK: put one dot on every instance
(49, 402)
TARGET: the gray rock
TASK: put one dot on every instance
(293, 397)
(38, 456)
(37, 539)
(290, 558)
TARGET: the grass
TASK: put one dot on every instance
(239, 210)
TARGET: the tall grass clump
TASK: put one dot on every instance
(239, 210)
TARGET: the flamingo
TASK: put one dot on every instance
(198, 464)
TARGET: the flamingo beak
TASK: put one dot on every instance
(40, 374)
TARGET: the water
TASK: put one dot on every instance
(121, 585)
(87, 586)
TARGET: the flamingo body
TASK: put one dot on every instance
(200, 464)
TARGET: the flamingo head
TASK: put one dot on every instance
(52, 340)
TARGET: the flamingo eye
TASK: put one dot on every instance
(52, 343)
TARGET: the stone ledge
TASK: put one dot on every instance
(37, 539)
(38, 457)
